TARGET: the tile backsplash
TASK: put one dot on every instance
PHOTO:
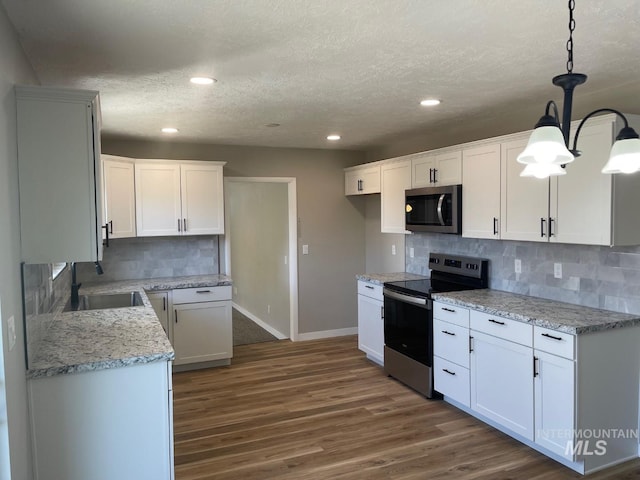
(593, 276)
(151, 257)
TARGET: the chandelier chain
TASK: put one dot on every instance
(572, 27)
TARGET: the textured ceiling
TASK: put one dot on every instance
(354, 67)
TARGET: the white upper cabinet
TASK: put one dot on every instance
(60, 182)
(395, 179)
(179, 198)
(362, 180)
(524, 200)
(119, 196)
(481, 191)
(436, 169)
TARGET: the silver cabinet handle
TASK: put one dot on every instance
(405, 298)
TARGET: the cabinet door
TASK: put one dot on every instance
(422, 167)
(352, 182)
(371, 327)
(580, 207)
(396, 178)
(119, 195)
(448, 168)
(481, 192)
(502, 382)
(524, 200)
(160, 303)
(202, 332)
(362, 181)
(59, 175)
(158, 199)
(554, 388)
(202, 199)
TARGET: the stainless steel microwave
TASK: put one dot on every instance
(434, 209)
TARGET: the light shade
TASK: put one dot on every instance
(624, 157)
(546, 146)
(543, 170)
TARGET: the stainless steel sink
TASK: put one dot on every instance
(109, 300)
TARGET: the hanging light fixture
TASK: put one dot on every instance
(548, 149)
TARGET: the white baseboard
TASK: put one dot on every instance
(267, 327)
(340, 332)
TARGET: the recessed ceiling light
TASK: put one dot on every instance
(202, 80)
(430, 102)
(169, 130)
(333, 137)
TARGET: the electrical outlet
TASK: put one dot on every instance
(557, 270)
(393, 249)
(305, 249)
(411, 252)
(11, 331)
(518, 265)
(269, 309)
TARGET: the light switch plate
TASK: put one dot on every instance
(11, 332)
(393, 249)
(557, 270)
(411, 252)
(305, 249)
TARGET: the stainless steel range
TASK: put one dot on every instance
(408, 317)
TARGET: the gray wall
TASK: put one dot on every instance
(378, 247)
(150, 257)
(258, 229)
(15, 450)
(600, 277)
(329, 223)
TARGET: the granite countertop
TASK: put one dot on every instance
(381, 278)
(560, 316)
(111, 338)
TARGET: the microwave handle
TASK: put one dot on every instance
(440, 202)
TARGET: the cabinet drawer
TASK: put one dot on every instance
(452, 380)
(451, 342)
(201, 294)
(552, 341)
(451, 314)
(370, 290)
(501, 327)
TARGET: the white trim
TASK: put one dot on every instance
(339, 332)
(259, 322)
(293, 244)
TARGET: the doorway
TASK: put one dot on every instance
(260, 251)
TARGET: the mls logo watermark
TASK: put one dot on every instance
(586, 441)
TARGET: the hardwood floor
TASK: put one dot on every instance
(321, 410)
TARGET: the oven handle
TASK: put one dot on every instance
(440, 202)
(422, 302)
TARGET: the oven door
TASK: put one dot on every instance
(408, 325)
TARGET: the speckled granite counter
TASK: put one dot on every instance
(111, 338)
(381, 278)
(564, 317)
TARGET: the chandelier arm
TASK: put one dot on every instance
(574, 150)
(550, 104)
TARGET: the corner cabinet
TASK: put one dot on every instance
(119, 196)
(58, 132)
(395, 179)
(362, 180)
(179, 198)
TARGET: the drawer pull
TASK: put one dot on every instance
(449, 333)
(470, 344)
(535, 371)
(551, 336)
(203, 291)
(369, 287)
(448, 310)
(496, 321)
(447, 371)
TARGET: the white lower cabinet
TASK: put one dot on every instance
(574, 398)
(502, 382)
(104, 424)
(371, 321)
(201, 327)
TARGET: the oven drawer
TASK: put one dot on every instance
(451, 342)
(452, 380)
(451, 314)
(552, 341)
(501, 327)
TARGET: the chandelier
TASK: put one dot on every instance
(548, 149)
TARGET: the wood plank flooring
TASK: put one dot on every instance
(321, 410)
